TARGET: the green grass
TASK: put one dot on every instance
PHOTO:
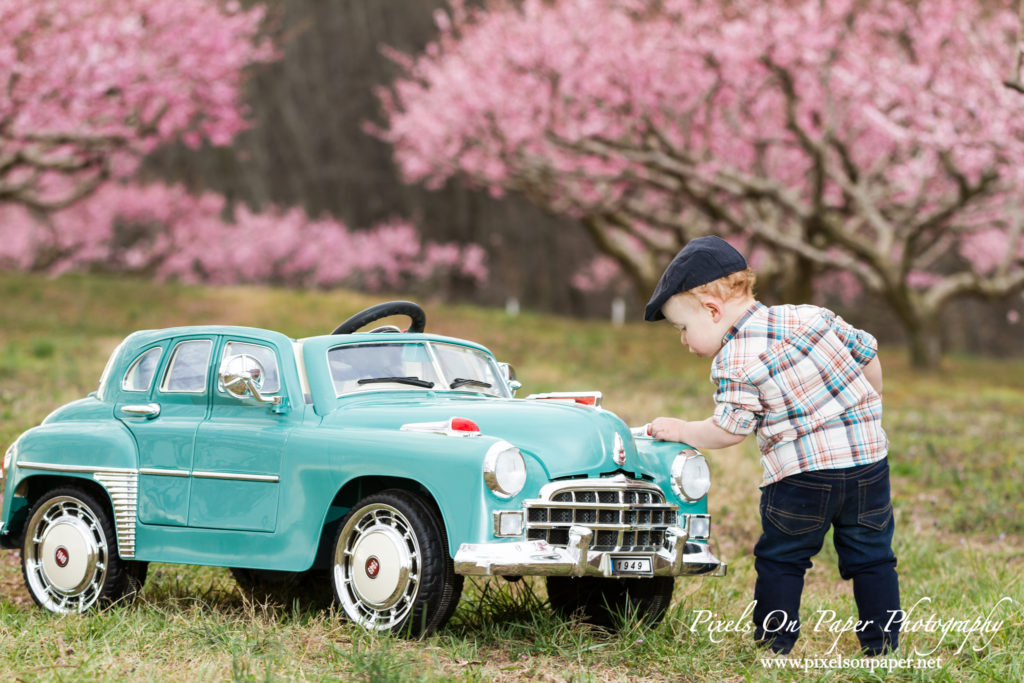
(956, 466)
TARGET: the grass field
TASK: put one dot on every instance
(957, 483)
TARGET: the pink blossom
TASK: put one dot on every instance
(988, 248)
(165, 231)
(90, 86)
(857, 119)
(597, 275)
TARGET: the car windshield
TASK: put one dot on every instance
(409, 366)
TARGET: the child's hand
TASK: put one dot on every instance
(667, 429)
(696, 433)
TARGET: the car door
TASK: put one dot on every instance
(236, 471)
(164, 398)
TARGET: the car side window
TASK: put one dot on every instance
(140, 375)
(186, 373)
(267, 358)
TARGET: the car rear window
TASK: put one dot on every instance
(140, 375)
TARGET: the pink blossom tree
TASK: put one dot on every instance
(166, 232)
(874, 138)
(89, 86)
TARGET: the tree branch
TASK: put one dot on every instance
(1015, 80)
(628, 259)
(35, 202)
(814, 149)
(962, 283)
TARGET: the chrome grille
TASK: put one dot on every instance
(624, 514)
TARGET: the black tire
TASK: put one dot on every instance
(69, 556)
(611, 602)
(312, 586)
(390, 567)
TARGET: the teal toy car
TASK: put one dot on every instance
(378, 467)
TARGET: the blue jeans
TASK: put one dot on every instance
(796, 512)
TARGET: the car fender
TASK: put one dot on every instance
(91, 450)
(657, 456)
(448, 468)
(78, 446)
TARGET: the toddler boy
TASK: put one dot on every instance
(809, 384)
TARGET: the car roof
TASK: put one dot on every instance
(314, 349)
(146, 337)
(327, 341)
(143, 338)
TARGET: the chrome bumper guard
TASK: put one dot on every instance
(539, 558)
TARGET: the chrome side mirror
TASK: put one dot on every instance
(242, 376)
(510, 377)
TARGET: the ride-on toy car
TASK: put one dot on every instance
(383, 466)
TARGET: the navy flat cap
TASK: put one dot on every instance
(701, 261)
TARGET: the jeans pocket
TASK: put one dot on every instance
(796, 506)
(874, 501)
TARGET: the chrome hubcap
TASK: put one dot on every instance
(65, 556)
(376, 568)
(380, 565)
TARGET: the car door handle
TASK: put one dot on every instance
(148, 410)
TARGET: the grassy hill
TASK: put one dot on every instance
(955, 457)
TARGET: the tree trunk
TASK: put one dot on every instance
(924, 341)
(797, 281)
(921, 323)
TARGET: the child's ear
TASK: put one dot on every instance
(714, 307)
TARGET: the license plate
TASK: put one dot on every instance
(631, 565)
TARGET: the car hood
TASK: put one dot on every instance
(567, 439)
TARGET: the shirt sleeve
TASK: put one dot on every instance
(737, 405)
(862, 345)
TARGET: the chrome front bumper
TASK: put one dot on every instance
(539, 558)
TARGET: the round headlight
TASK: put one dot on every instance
(691, 477)
(504, 469)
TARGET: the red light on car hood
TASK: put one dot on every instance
(462, 424)
(453, 426)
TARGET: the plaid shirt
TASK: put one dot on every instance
(794, 374)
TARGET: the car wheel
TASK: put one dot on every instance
(390, 568)
(70, 559)
(312, 586)
(611, 602)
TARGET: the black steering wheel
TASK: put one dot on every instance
(364, 318)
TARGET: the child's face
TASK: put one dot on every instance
(698, 328)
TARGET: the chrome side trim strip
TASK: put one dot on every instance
(163, 473)
(123, 488)
(271, 478)
(85, 469)
(122, 485)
